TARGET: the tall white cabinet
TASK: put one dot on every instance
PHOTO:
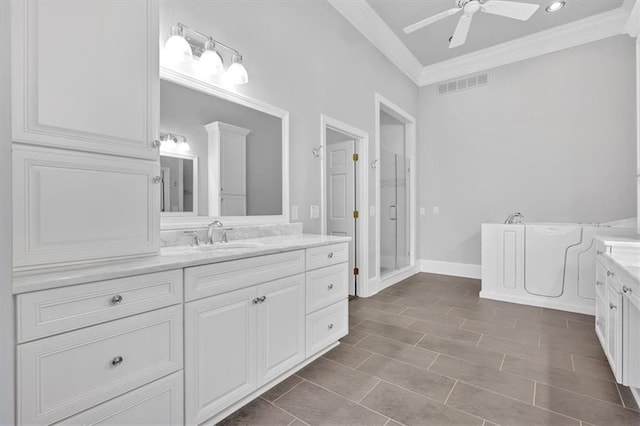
(84, 123)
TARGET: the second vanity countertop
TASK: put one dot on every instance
(169, 258)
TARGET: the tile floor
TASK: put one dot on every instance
(428, 351)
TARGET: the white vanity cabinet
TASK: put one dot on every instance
(613, 348)
(77, 85)
(237, 341)
(85, 112)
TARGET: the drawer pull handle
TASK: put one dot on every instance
(599, 252)
(330, 255)
(626, 289)
(117, 361)
(330, 326)
(116, 300)
(609, 273)
(259, 300)
(330, 286)
(263, 298)
(598, 282)
(612, 306)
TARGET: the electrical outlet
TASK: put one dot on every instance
(294, 212)
(314, 212)
(436, 211)
(422, 210)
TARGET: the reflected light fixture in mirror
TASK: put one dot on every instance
(185, 43)
(170, 142)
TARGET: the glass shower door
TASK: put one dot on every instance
(394, 220)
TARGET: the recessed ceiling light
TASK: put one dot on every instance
(555, 6)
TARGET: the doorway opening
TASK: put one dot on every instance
(395, 188)
(344, 194)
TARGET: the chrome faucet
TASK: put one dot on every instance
(514, 218)
(194, 238)
(212, 225)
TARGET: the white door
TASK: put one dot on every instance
(614, 332)
(341, 197)
(281, 326)
(233, 160)
(78, 85)
(220, 352)
(631, 340)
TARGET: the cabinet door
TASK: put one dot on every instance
(233, 163)
(602, 313)
(614, 332)
(631, 341)
(220, 352)
(281, 319)
(72, 206)
(85, 75)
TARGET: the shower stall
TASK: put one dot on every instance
(394, 220)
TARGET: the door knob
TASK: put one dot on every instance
(116, 300)
(156, 143)
(157, 179)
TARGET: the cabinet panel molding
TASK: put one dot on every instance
(78, 84)
(72, 207)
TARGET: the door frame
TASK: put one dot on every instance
(361, 139)
(409, 121)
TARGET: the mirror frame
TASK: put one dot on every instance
(194, 158)
(169, 222)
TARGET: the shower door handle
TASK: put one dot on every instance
(393, 212)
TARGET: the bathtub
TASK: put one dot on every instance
(544, 264)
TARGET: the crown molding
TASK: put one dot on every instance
(573, 34)
(362, 16)
(632, 26)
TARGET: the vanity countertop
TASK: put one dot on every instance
(169, 258)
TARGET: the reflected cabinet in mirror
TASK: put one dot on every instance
(222, 155)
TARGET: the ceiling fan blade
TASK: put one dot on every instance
(510, 9)
(462, 29)
(421, 24)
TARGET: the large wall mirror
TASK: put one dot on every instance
(224, 155)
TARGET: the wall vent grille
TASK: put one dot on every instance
(463, 83)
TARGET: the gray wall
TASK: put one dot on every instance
(304, 57)
(185, 111)
(552, 137)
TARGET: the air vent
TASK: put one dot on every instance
(463, 84)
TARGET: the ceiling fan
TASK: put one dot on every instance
(509, 9)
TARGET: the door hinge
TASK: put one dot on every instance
(355, 157)
(356, 271)
(355, 214)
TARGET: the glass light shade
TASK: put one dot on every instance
(210, 64)
(183, 147)
(236, 74)
(177, 50)
(554, 7)
(168, 145)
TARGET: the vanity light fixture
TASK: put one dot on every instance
(185, 44)
(170, 142)
(555, 6)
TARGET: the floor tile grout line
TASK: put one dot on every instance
(433, 361)
(369, 391)
(450, 392)
(573, 365)
(479, 340)
(362, 363)
(282, 409)
(504, 356)
(283, 394)
(620, 396)
(535, 389)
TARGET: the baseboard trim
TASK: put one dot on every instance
(466, 270)
(532, 301)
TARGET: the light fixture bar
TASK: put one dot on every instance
(206, 38)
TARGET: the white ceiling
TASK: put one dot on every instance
(430, 45)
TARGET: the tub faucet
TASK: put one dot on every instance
(514, 218)
(214, 224)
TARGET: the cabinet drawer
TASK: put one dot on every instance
(319, 257)
(326, 326)
(62, 375)
(158, 403)
(48, 312)
(217, 278)
(326, 286)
